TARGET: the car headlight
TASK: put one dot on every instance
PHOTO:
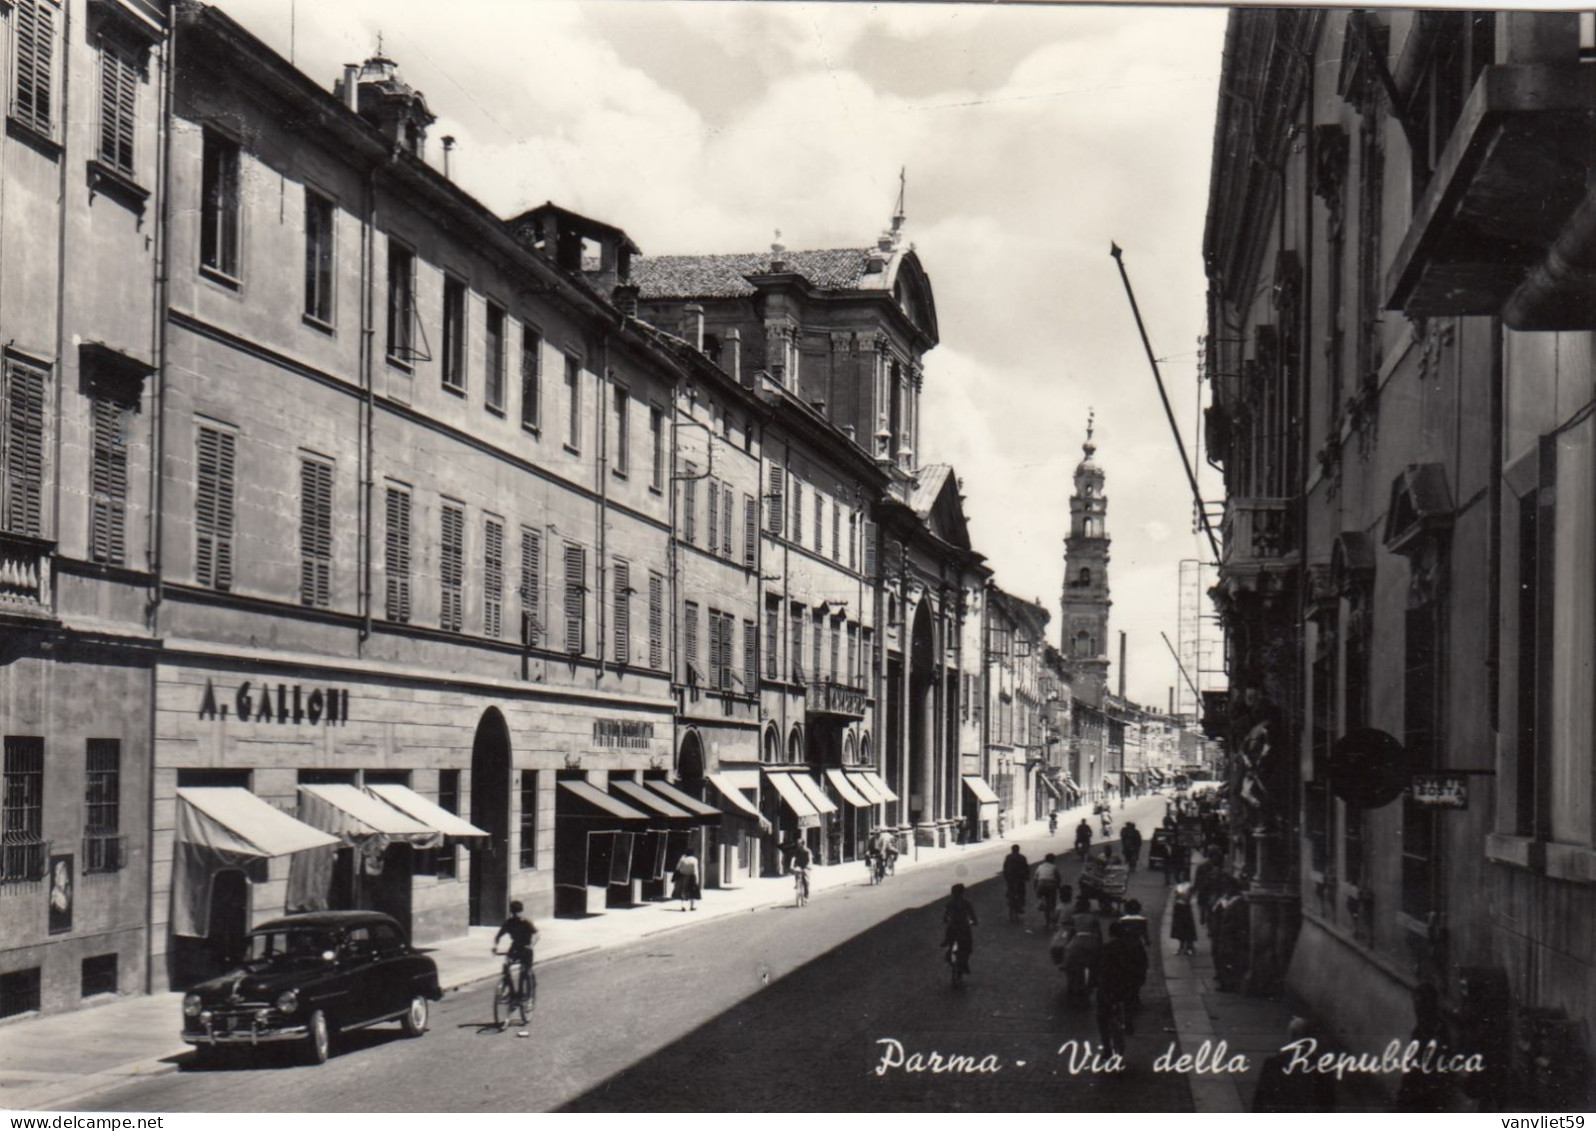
(191, 1005)
(288, 1001)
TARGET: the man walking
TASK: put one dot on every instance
(1130, 839)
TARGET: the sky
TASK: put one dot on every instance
(1031, 135)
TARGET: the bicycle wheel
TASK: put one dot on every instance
(955, 966)
(503, 999)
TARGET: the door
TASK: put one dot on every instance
(228, 926)
(490, 812)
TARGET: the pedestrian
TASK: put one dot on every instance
(1121, 965)
(1227, 929)
(1016, 871)
(1282, 1091)
(1175, 862)
(1077, 948)
(1183, 924)
(1083, 838)
(1130, 840)
(687, 880)
(1205, 882)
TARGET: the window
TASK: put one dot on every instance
(315, 533)
(1537, 514)
(22, 442)
(714, 512)
(493, 393)
(818, 640)
(22, 845)
(718, 680)
(493, 577)
(108, 481)
(1462, 45)
(19, 989)
(656, 442)
(773, 501)
(797, 533)
(853, 541)
(853, 656)
(621, 583)
(575, 599)
(213, 508)
(531, 378)
(102, 806)
(621, 458)
(573, 401)
(444, 858)
(318, 258)
(396, 555)
(726, 499)
(836, 648)
(531, 585)
(797, 658)
(750, 657)
(98, 975)
(32, 98)
(870, 549)
(772, 637)
(689, 501)
(219, 206)
(836, 532)
(750, 532)
(690, 639)
(119, 87)
(656, 621)
(529, 818)
(820, 523)
(451, 567)
(401, 303)
(454, 334)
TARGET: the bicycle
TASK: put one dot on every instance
(515, 993)
(800, 885)
(956, 963)
(878, 868)
(1016, 904)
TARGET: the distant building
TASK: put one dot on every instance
(1083, 627)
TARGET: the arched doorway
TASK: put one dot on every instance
(690, 764)
(922, 719)
(490, 812)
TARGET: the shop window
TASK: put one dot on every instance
(98, 975)
(529, 818)
(102, 805)
(19, 992)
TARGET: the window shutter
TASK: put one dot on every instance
(621, 579)
(24, 447)
(493, 578)
(451, 569)
(820, 522)
(728, 650)
(531, 585)
(108, 475)
(35, 39)
(396, 563)
(714, 511)
(870, 549)
(118, 88)
(689, 498)
(774, 503)
(836, 532)
(213, 506)
(716, 676)
(797, 533)
(656, 621)
(575, 598)
(750, 657)
(690, 638)
(315, 533)
(750, 532)
(853, 541)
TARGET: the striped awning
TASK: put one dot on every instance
(845, 790)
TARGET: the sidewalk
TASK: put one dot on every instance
(61, 1058)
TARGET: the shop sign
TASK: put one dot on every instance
(628, 734)
(278, 703)
(1441, 791)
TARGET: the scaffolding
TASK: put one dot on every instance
(1200, 638)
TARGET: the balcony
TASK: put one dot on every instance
(827, 697)
(1526, 133)
(25, 575)
(1260, 549)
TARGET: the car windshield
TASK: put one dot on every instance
(289, 945)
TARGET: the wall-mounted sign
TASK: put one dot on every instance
(279, 703)
(626, 733)
(61, 894)
(1441, 791)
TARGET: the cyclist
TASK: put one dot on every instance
(801, 859)
(1016, 870)
(1083, 838)
(1048, 883)
(522, 937)
(1121, 965)
(1052, 823)
(958, 917)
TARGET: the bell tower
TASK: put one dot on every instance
(1084, 624)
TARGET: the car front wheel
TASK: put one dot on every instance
(318, 1046)
(415, 1018)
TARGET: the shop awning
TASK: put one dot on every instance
(596, 798)
(233, 820)
(430, 813)
(877, 784)
(356, 815)
(845, 790)
(866, 788)
(983, 792)
(817, 795)
(728, 782)
(808, 816)
(647, 800)
(681, 799)
(1052, 787)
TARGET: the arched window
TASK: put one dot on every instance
(1083, 643)
(795, 746)
(1086, 576)
(1089, 528)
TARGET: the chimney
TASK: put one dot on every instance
(734, 338)
(1122, 665)
(625, 297)
(693, 325)
(448, 148)
(1171, 702)
(347, 90)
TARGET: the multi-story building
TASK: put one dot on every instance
(80, 259)
(1400, 349)
(1016, 636)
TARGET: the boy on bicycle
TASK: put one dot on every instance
(1049, 883)
(522, 935)
(958, 919)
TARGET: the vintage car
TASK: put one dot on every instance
(1158, 848)
(306, 978)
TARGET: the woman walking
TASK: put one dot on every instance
(687, 880)
(1183, 924)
